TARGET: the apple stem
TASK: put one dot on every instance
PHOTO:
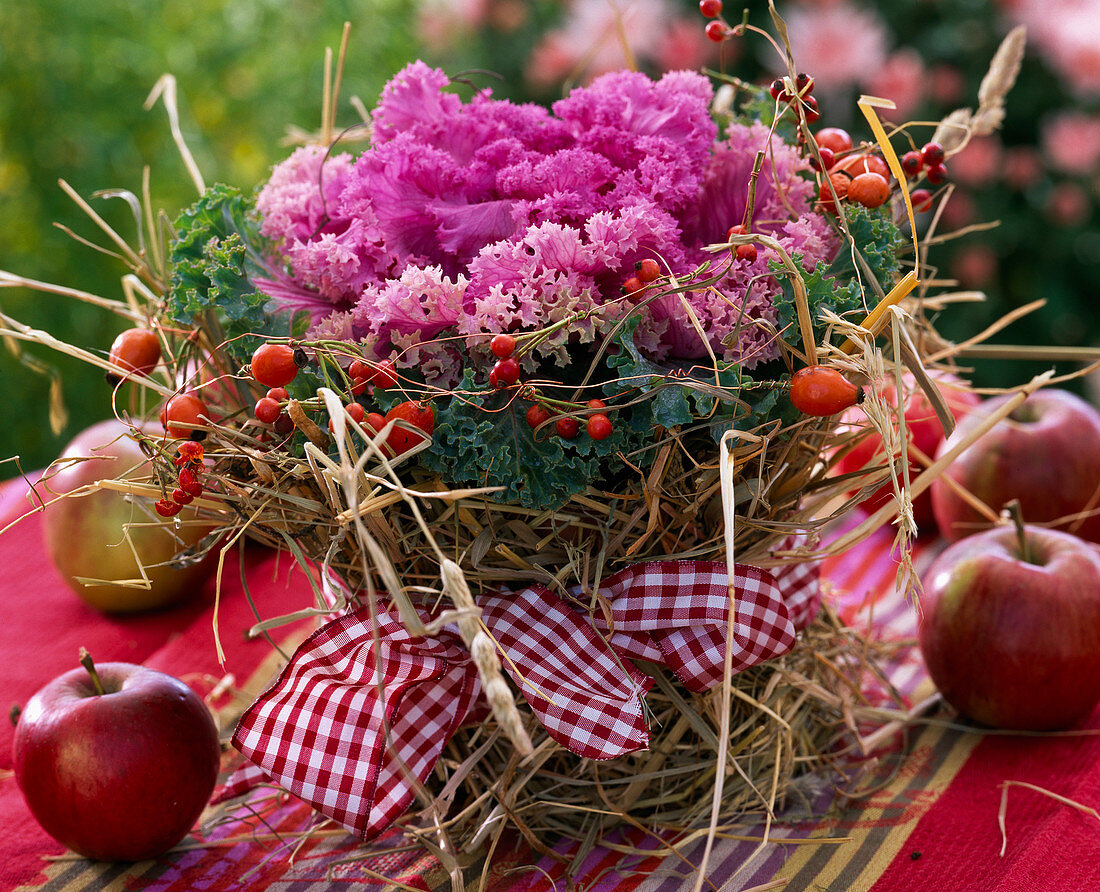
(1017, 515)
(87, 663)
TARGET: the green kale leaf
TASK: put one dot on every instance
(216, 255)
(835, 287)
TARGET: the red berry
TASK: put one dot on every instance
(181, 415)
(717, 31)
(932, 154)
(596, 404)
(419, 415)
(599, 426)
(567, 426)
(869, 189)
(911, 163)
(828, 158)
(284, 425)
(136, 350)
(833, 138)
(922, 200)
(820, 390)
(710, 8)
(375, 421)
(505, 373)
(502, 345)
(863, 162)
(778, 90)
(180, 497)
(810, 109)
(633, 287)
(936, 173)
(190, 451)
(804, 84)
(648, 270)
(167, 508)
(839, 183)
(190, 483)
(354, 411)
(746, 253)
(273, 365)
(266, 410)
(383, 375)
(278, 393)
(537, 415)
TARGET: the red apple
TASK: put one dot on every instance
(1045, 454)
(1012, 638)
(121, 775)
(924, 431)
(84, 534)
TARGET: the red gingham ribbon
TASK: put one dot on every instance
(320, 730)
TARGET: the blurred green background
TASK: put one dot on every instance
(74, 77)
(73, 80)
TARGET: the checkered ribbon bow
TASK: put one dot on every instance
(363, 706)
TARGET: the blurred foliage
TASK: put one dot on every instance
(74, 80)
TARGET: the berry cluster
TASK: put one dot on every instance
(189, 481)
(382, 375)
(646, 272)
(746, 252)
(506, 373)
(270, 409)
(597, 424)
(276, 365)
(929, 161)
(783, 91)
(418, 414)
(862, 176)
(716, 30)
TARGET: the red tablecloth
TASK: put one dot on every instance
(932, 824)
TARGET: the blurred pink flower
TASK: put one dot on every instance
(946, 84)
(839, 44)
(686, 46)
(959, 211)
(551, 61)
(1067, 34)
(975, 266)
(1067, 204)
(1021, 167)
(590, 39)
(1071, 142)
(442, 23)
(902, 79)
(978, 163)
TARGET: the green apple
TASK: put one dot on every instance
(85, 534)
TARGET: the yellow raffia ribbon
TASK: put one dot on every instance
(876, 319)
